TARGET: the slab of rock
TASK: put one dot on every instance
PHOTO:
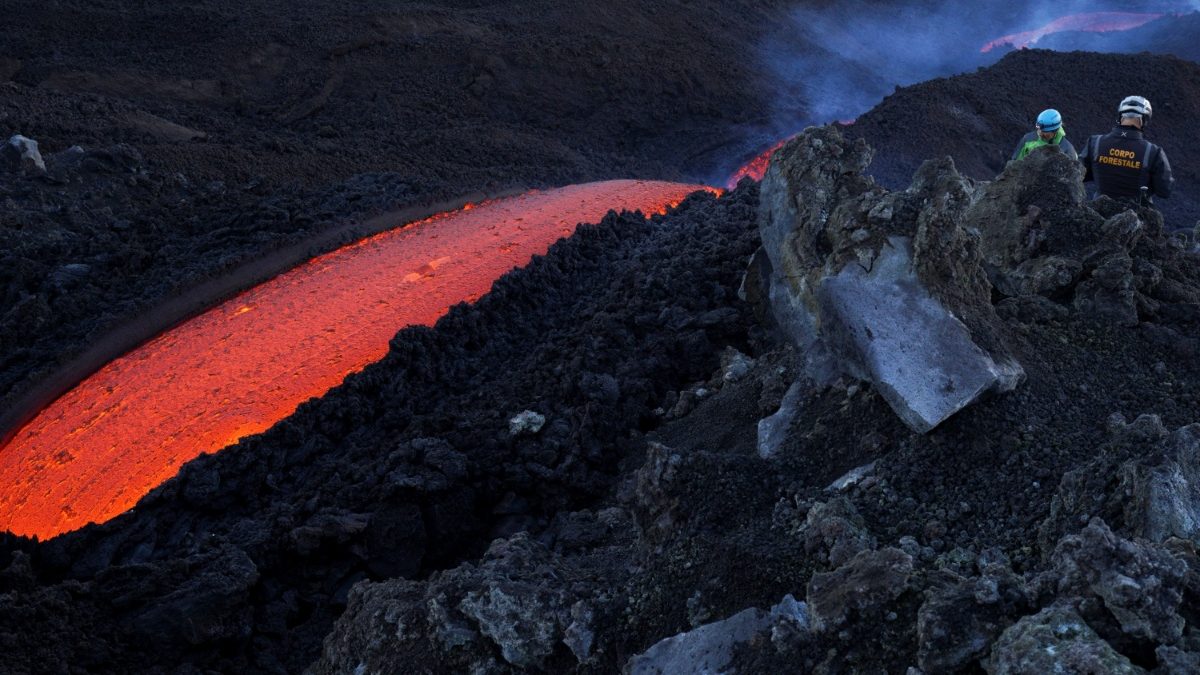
(1055, 640)
(773, 429)
(886, 287)
(709, 648)
(919, 355)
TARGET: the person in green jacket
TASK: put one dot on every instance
(1049, 131)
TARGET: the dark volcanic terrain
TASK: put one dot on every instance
(221, 132)
(408, 521)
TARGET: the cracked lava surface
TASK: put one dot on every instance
(240, 367)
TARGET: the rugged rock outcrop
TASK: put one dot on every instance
(518, 607)
(1055, 640)
(883, 286)
(1145, 483)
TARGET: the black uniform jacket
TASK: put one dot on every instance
(1122, 162)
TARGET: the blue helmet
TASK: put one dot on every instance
(1049, 121)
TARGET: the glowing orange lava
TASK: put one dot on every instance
(244, 365)
(756, 168)
(1092, 22)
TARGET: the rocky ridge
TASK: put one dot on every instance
(1108, 587)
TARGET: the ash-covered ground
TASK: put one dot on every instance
(404, 522)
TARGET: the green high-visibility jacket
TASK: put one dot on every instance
(1034, 140)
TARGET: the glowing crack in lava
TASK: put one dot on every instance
(1092, 22)
(756, 168)
(245, 364)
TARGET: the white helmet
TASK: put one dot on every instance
(1136, 105)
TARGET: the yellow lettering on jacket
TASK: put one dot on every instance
(1118, 162)
(1124, 154)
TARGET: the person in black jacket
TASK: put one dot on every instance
(1122, 162)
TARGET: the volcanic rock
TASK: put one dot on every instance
(515, 600)
(1009, 209)
(773, 429)
(1054, 640)
(526, 422)
(860, 588)
(709, 648)
(1141, 584)
(833, 531)
(21, 154)
(873, 284)
(958, 621)
(1145, 482)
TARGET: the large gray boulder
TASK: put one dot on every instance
(885, 287)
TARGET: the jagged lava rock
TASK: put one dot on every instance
(1055, 640)
(863, 585)
(517, 601)
(958, 621)
(1145, 483)
(22, 154)
(709, 648)
(883, 286)
(1140, 583)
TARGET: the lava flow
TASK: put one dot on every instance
(756, 168)
(1091, 22)
(242, 366)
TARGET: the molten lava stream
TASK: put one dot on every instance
(244, 365)
(1089, 22)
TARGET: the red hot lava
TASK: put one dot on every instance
(242, 366)
(1092, 22)
(756, 168)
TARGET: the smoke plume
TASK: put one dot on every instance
(836, 62)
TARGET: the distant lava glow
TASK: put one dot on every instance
(244, 365)
(1092, 22)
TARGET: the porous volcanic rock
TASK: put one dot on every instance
(1145, 483)
(872, 284)
(516, 608)
(1055, 640)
